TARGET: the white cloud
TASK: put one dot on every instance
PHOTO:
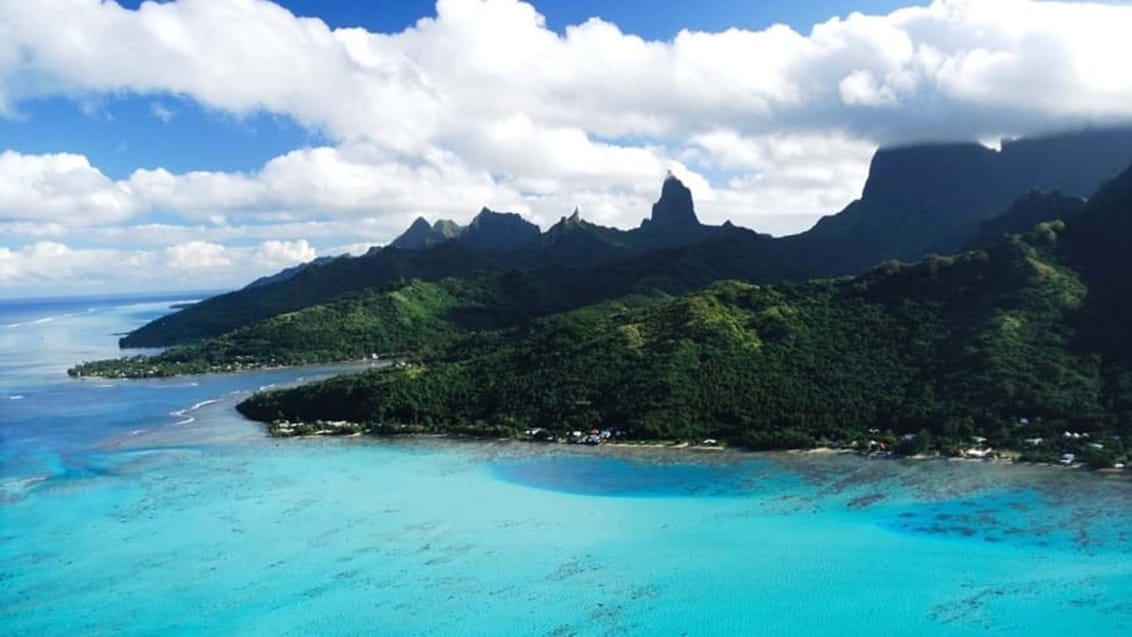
(197, 194)
(488, 61)
(860, 88)
(162, 112)
(193, 265)
(791, 179)
(280, 254)
(483, 105)
(59, 188)
(51, 264)
(197, 255)
(32, 230)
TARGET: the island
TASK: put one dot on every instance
(1014, 345)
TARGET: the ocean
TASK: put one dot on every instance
(152, 508)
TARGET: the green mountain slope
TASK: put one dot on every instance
(310, 286)
(417, 317)
(943, 349)
(362, 322)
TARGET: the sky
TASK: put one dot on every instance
(198, 144)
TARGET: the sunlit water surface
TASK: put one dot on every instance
(151, 507)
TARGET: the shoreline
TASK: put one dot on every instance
(683, 446)
(344, 429)
(361, 364)
(345, 366)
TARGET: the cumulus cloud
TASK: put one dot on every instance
(194, 264)
(484, 105)
(59, 188)
(787, 176)
(195, 256)
(280, 254)
(488, 60)
(162, 112)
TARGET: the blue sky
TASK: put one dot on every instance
(657, 19)
(201, 143)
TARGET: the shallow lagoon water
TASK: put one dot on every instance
(115, 519)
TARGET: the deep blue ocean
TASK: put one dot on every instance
(151, 508)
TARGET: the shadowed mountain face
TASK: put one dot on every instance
(931, 198)
(673, 224)
(422, 235)
(1026, 212)
(416, 237)
(572, 241)
(1096, 244)
(674, 208)
(288, 273)
(489, 231)
(918, 200)
(501, 231)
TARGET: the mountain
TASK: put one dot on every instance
(931, 198)
(917, 200)
(1096, 244)
(489, 231)
(573, 241)
(498, 231)
(418, 317)
(421, 234)
(405, 316)
(576, 242)
(309, 286)
(990, 343)
(674, 209)
(1026, 212)
(288, 273)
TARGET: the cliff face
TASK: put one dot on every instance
(931, 198)
(421, 234)
(492, 230)
(674, 208)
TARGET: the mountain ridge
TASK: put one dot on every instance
(897, 217)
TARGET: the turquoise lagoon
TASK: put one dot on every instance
(152, 508)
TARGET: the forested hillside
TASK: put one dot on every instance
(943, 349)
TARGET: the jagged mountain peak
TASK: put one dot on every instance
(675, 207)
(421, 234)
(491, 230)
(488, 215)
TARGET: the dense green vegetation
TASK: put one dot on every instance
(359, 323)
(415, 318)
(940, 351)
(322, 283)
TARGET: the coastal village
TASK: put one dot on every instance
(1076, 445)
